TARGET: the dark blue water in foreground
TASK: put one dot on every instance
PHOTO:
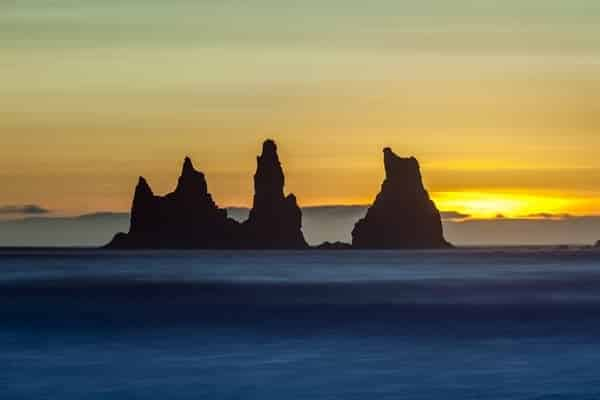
(468, 324)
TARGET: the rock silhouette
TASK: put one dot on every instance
(334, 246)
(188, 218)
(402, 216)
(185, 218)
(275, 220)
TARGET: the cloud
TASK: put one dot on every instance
(549, 216)
(352, 212)
(27, 209)
(450, 215)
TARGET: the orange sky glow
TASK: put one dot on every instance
(499, 102)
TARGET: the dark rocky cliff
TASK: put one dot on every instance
(275, 220)
(186, 218)
(402, 216)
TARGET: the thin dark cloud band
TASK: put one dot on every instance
(27, 209)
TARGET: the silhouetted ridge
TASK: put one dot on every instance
(143, 208)
(189, 218)
(275, 221)
(402, 216)
(185, 218)
(191, 181)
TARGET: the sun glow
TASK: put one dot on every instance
(510, 205)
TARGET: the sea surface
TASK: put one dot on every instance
(520, 323)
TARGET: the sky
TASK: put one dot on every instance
(499, 100)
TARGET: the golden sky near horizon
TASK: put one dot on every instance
(499, 102)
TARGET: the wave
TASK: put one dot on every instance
(551, 290)
(110, 302)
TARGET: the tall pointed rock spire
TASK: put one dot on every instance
(143, 206)
(275, 220)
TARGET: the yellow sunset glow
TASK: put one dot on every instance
(510, 205)
(501, 110)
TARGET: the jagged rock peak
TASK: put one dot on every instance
(292, 198)
(142, 207)
(189, 218)
(269, 150)
(402, 169)
(188, 166)
(275, 221)
(185, 218)
(268, 179)
(403, 215)
(191, 180)
(143, 188)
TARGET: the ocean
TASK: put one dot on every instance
(487, 323)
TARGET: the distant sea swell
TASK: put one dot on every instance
(566, 297)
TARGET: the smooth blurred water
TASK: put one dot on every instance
(464, 324)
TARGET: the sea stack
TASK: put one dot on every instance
(402, 216)
(275, 220)
(185, 218)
